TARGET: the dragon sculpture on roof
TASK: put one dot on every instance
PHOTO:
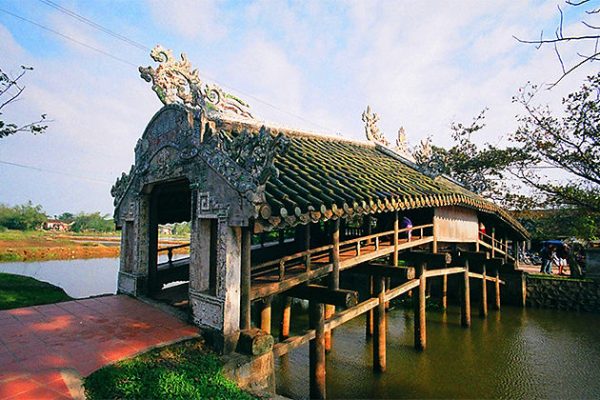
(176, 82)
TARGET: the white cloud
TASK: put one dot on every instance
(196, 19)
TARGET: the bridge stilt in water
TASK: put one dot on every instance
(465, 304)
(420, 308)
(379, 338)
(317, 351)
(483, 307)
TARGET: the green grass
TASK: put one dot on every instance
(11, 234)
(558, 278)
(180, 371)
(22, 291)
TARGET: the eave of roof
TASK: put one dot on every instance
(324, 177)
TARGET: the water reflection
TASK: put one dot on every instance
(78, 278)
(513, 354)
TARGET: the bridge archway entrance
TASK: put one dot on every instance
(168, 261)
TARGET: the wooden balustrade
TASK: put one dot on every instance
(325, 253)
(170, 249)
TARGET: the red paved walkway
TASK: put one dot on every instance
(42, 347)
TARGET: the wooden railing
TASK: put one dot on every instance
(307, 257)
(170, 249)
(497, 246)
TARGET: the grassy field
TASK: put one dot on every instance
(21, 291)
(45, 245)
(180, 371)
(41, 245)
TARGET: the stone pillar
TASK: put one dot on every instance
(215, 300)
(133, 271)
(245, 314)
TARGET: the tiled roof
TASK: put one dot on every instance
(322, 176)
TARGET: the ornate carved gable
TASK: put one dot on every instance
(176, 82)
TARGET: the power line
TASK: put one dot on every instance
(141, 46)
(69, 38)
(94, 25)
(54, 172)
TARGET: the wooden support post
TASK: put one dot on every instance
(265, 315)
(396, 234)
(307, 261)
(465, 304)
(317, 351)
(497, 287)
(284, 331)
(420, 309)
(245, 314)
(445, 292)
(483, 307)
(369, 314)
(493, 242)
(379, 346)
(505, 249)
(334, 277)
(434, 244)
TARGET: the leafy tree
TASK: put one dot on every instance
(93, 222)
(570, 143)
(482, 171)
(66, 217)
(543, 142)
(10, 90)
(22, 217)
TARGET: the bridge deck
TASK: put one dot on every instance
(271, 280)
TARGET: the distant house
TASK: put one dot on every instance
(56, 225)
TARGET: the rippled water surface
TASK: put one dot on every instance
(78, 278)
(515, 353)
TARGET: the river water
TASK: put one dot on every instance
(78, 278)
(514, 354)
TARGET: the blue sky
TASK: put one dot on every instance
(313, 65)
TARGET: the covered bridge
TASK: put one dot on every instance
(273, 209)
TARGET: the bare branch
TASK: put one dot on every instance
(573, 68)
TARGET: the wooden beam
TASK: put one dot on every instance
(399, 290)
(379, 339)
(465, 304)
(386, 271)
(444, 271)
(433, 260)
(480, 276)
(318, 388)
(245, 313)
(420, 310)
(341, 297)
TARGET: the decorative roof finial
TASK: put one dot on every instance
(402, 144)
(175, 82)
(371, 129)
(424, 151)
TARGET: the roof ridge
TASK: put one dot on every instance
(295, 132)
